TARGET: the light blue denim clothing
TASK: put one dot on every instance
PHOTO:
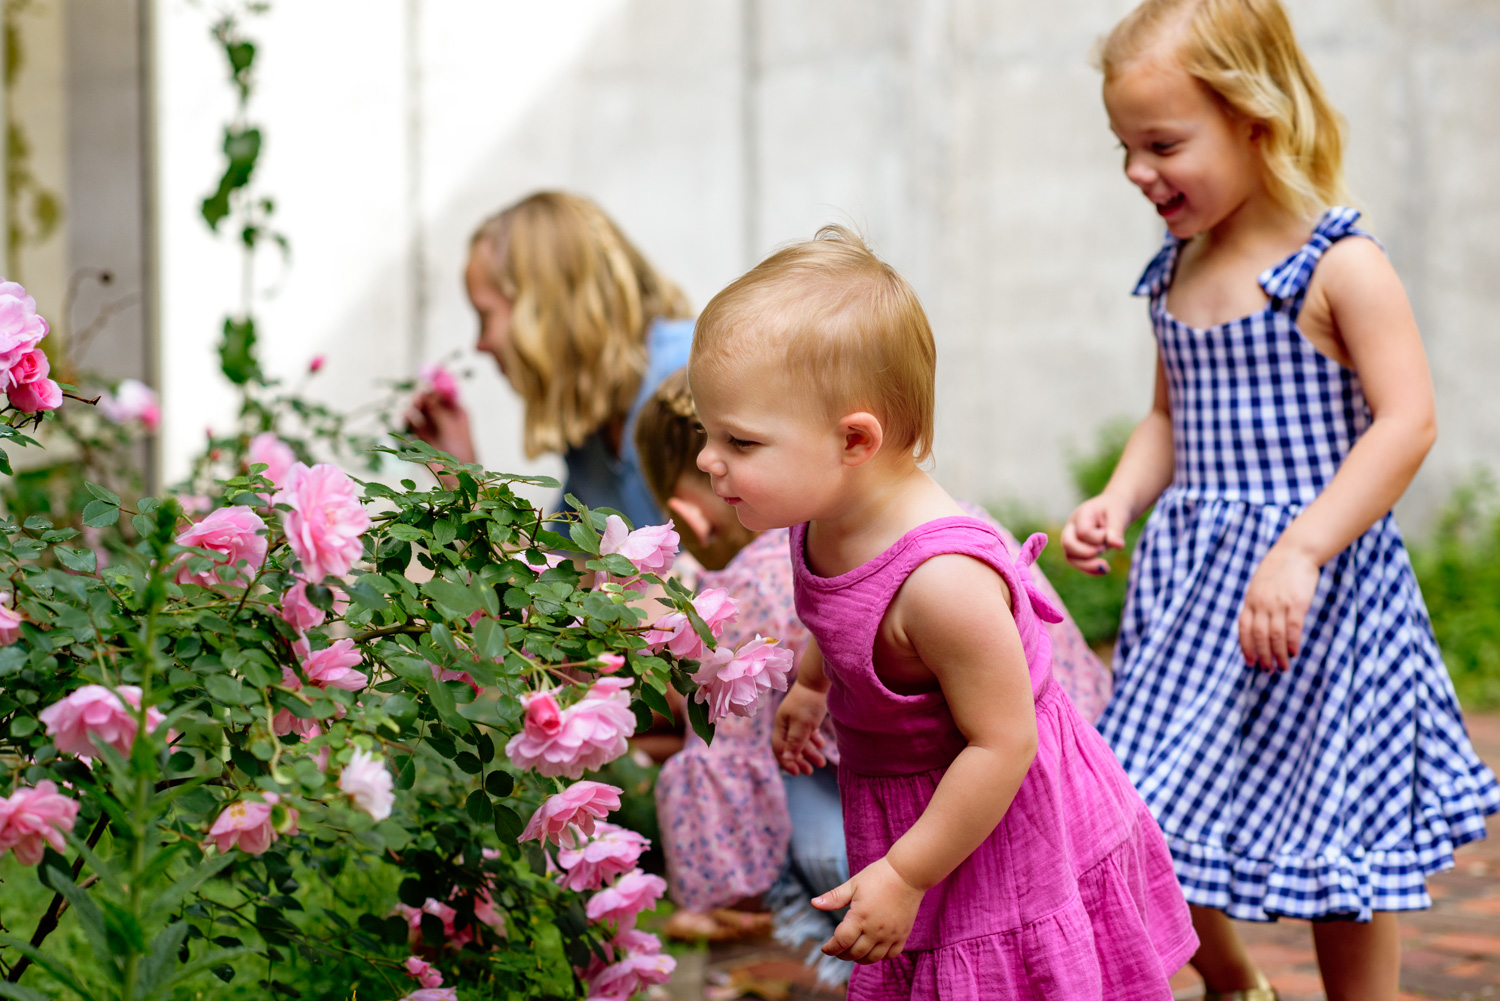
(816, 863)
(601, 479)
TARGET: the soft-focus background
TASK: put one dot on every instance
(964, 137)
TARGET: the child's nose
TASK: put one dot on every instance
(1139, 171)
(709, 462)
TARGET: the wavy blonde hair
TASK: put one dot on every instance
(582, 297)
(843, 324)
(1246, 53)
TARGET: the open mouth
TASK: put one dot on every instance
(1171, 205)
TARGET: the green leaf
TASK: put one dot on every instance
(100, 514)
(237, 350)
(499, 784)
(468, 762)
(508, 823)
(479, 808)
(698, 717)
(656, 700)
(584, 537)
(454, 600)
(158, 963)
(79, 560)
(227, 689)
(102, 493)
(9, 990)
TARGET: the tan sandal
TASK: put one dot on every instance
(1262, 991)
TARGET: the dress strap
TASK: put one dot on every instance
(1290, 278)
(1158, 274)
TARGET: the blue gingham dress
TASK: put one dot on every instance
(1331, 789)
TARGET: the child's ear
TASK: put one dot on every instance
(862, 436)
(690, 515)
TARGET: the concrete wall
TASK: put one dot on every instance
(965, 137)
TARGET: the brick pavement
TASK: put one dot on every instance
(1451, 952)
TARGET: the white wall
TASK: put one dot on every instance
(965, 137)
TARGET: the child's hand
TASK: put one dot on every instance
(1276, 604)
(882, 909)
(443, 424)
(1096, 525)
(795, 740)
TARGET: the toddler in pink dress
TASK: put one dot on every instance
(998, 849)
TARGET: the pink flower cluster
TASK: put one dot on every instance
(298, 611)
(613, 851)
(736, 684)
(326, 519)
(572, 811)
(333, 666)
(132, 401)
(276, 454)
(31, 818)
(94, 711)
(674, 632)
(423, 972)
(651, 548)
(632, 893)
(10, 622)
(237, 534)
(367, 782)
(636, 962)
(442, 383)
(247, 823)
(588, 734)
(23, 366)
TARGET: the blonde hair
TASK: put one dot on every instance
(668, 437)
(582, 297)
(1246, 53)
(847, 327)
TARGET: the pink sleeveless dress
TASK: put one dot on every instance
(1073, 896)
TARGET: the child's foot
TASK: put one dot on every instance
(1262, 991)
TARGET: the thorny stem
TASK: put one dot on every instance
(48, 924)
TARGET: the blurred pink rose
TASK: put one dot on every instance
(132, 400)
(32, 818)
(21, 329)
(298, 611)
(632, 893)
(10, 622)
(735, 684)
(248, 824)
(316, 363)
(443, 674)
(333, 666)
(94, 711)
(423, 972)
(443, 913)
(433, 994)
(275, 453)
(30, 389)
(610, 663)
(326, 519)
(576, 807)
(651, 548)
(441, 382)
(284, 722)
(196, 503)
(613, 850)
(486, 911)
(367, 782)
(587, 735)
(638, 963)
(235, 533)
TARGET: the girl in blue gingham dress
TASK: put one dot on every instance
(1279, 699)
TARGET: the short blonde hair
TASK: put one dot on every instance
(848, 328)
(582, 297)
(1246, 53)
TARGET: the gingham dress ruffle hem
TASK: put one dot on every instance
(1333, 789)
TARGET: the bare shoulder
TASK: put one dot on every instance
(949, 590)
(1352, 267)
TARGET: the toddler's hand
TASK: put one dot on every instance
(795, 739)
(1276, 605)
(882, 909)
(1096, 525)
(443, 424)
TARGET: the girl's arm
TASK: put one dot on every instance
(1372, 318)
(1143, 472)
(953, 613)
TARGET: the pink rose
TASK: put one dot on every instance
(94, 711)
(433, 994)
(587, 735)
(674, 631)
(610, 663)
(236, 534)
(441, 382)
(298, 611)
(651, 548)
(423, 972)
(196, 503)
(21, 329)
(575, 808)
(333, 666)
(367, 782)
(735, 684)
(275, 453)
(632, 893)
(611, 852)
(326, 519)
(638, 963)
(315, 364)
(132, 400)
(444, 674)
(443, 913)
(10, 622)
(30, 390)
(248, 824)
(32, 818)
(486, 911)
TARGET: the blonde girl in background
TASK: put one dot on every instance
(1279, 701)
(584, 328)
